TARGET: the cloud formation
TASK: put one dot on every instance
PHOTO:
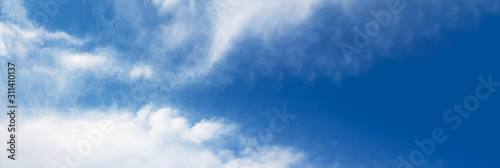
(151, 137)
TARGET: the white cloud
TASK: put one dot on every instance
(165, 5)
(14, 10)
(83, 61)
(18, 41)
(206, 130)
(15, 41)
(55, 65)
(230, 20)
(261, 17)
(18, 34)
(152, 138)
(139, 71)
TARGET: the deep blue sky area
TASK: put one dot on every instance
(402, 97)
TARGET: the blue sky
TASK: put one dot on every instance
(198, 83)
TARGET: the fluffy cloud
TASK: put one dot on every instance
(151, 137)
(83, 61)
(139, 71)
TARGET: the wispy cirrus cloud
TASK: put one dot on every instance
(210, 33)
(141, 71)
